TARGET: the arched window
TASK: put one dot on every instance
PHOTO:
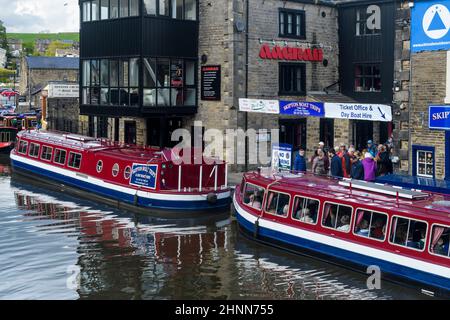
(115, 170)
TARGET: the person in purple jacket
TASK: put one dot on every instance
(370, 168)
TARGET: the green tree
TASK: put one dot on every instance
(3, 39)
(28, 49)
(54, 45)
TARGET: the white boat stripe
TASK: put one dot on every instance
(102, 183)
(346, 245)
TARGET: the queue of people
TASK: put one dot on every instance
(341, 162)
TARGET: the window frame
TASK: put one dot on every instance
(51, 153)
(170, 13)
(281, 67)
(127, 168)
(243, 196)
(427, 165)
(97, 165)
(75, 154)
(65, 157)
(429, 242)
(38, 150)
(274, 214)
(338, 204)
(406, 247)
(295, 13)
(26, 148)
(118, 170)
(372, 65)
(375, 239)
(318, 210)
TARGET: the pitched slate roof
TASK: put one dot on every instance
(52, 63)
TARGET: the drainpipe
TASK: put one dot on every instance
(247, 16)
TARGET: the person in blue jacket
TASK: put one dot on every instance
(357, 171)
(336, 165)
(300, 162)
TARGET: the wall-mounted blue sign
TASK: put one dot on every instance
(430, 25)
(305, 109)
(439, 117)
(144, 175)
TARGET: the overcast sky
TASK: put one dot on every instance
(37, 16)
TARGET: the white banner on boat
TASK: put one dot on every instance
(368, 112)
(259, 106)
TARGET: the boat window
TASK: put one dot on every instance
(46, 153)
(99, 166)
(74, 160)
(278, 203)
(127, 173)
(5, 137)
(253, 196)
(370, 224)
(34, 150)
(305, 210)
(115, 170)
(440, 241)
(60, 156)
(408, 233)
(337, 217)
(23, 146)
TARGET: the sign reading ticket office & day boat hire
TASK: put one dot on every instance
(369, 112)
(304, 109)
(282, 157)
(439, 117)
(259, 106)
(144, 175)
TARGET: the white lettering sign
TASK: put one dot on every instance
(368, 112)
(63, 91)
(259, 106)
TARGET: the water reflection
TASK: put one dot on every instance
(49, 238)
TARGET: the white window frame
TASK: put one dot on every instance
(338, 204)
(51, 153)
(274, 214)
(406, 247)
(39, 150)
(65, 158)
(429, 244)
(257, 186)
(68, 161)
(318, 210)
(26, 148)
(425, 163)
(374, 239)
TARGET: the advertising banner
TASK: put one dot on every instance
(369, 112)
(144, 175)
(430, 25)
(63, 91)
(305, 109)
(282, 157)
(259, 106)
(439, 117)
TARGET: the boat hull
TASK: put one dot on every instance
(131, 198)
(326, 248)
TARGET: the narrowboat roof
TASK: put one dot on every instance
(432, 203)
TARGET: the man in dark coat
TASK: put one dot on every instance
(336, 165)
(357, 171)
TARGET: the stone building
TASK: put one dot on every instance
(37, 72)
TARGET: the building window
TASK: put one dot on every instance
(113, 9)
(368, 78)
(123, 8)
(86, 11)
(95, 13)
(425, 163)
(175, 9)
(292, 24)
(292, 79)
(104, 9)
(109, 9)
(169, 82)
(362, 27)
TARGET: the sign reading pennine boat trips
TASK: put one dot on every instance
(439, 117)
(430, 25)
(305, 109)
(259, 106)
(144, 175)
(369, 112)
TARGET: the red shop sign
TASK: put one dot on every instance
(291, 54)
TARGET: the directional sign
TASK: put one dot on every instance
(430, 25)
(369, 112)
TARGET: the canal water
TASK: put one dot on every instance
(55, 246)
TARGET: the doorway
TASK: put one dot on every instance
(327, 132)
(362, 132)
(293, 132)
(130, 132)
(159, 131)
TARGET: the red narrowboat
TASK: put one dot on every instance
(405, 233)
(8, 133)
(137, 178)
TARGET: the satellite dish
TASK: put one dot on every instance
(240, 26)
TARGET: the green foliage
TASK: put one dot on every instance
(32, 37)
(51, 50)
(28, 49)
